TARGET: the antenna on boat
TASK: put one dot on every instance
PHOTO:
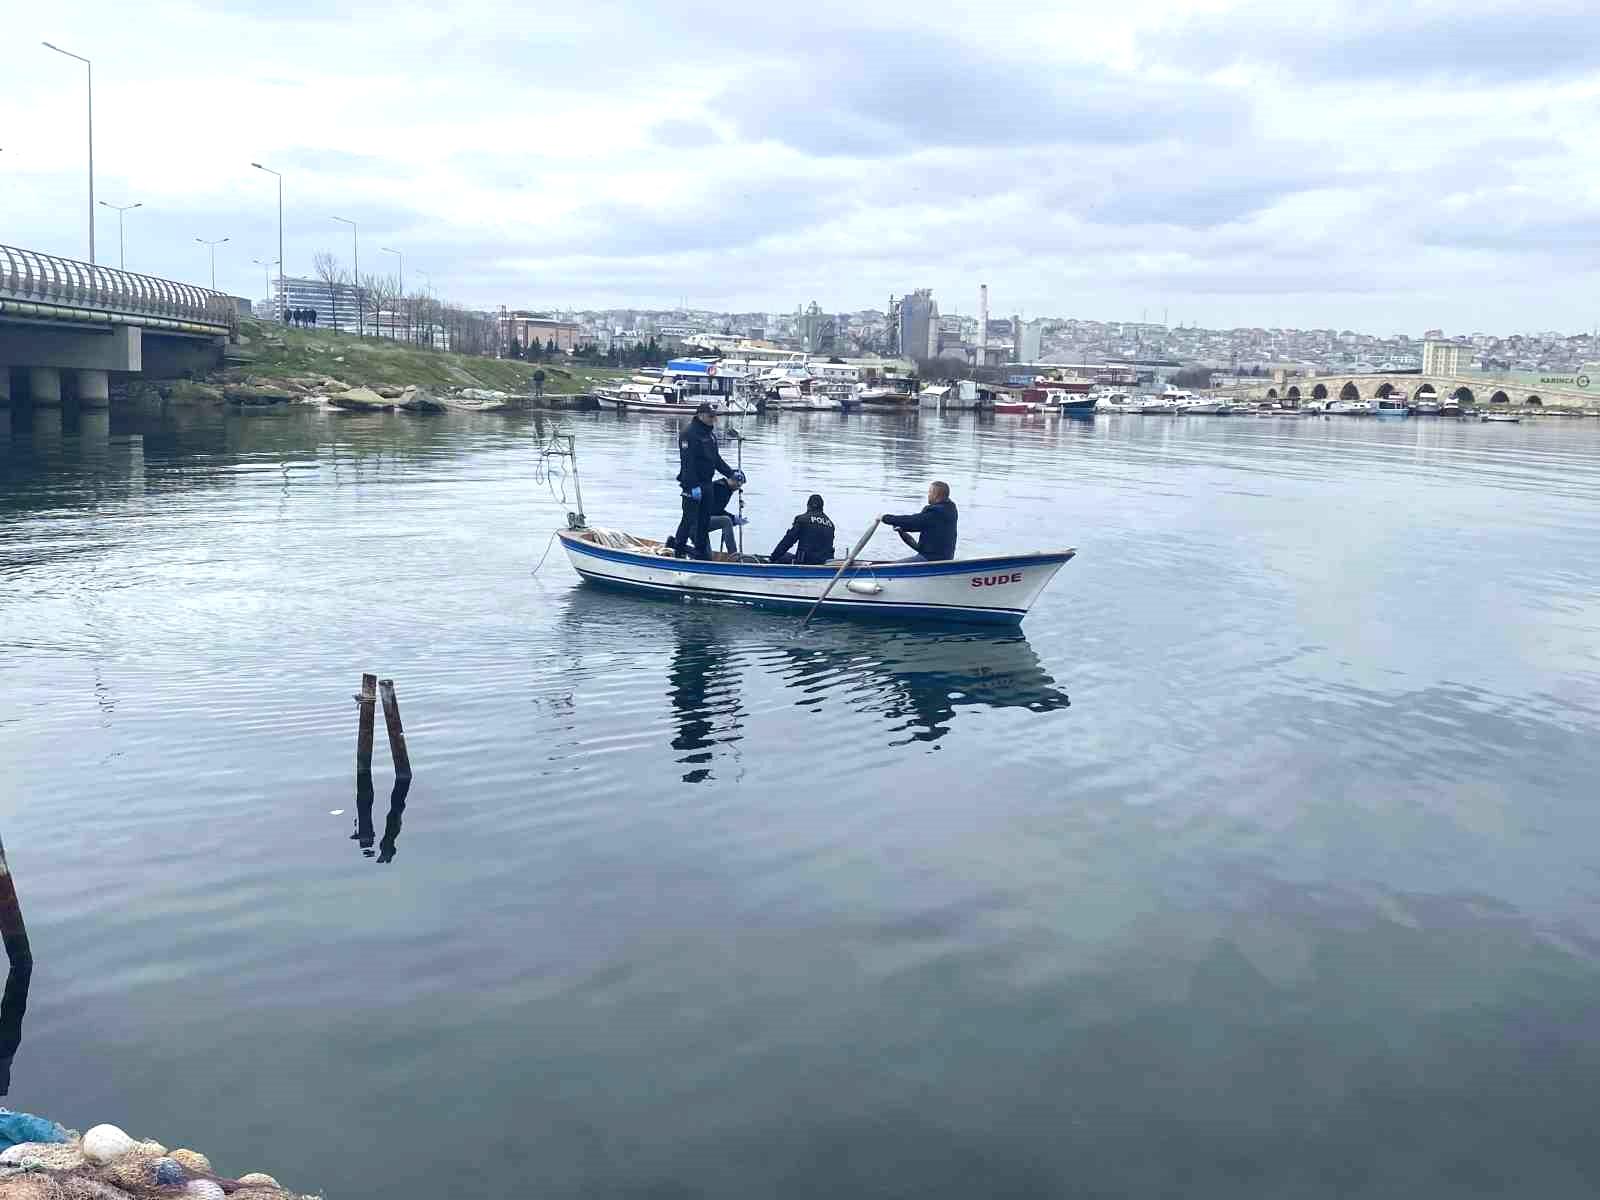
(576, 520)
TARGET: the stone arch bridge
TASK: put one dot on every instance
(1581, 394)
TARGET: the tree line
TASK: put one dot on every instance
(385, 310)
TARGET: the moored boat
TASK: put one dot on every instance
(1499, 418)
(644, 393)
(991, 590)
(1391, 406)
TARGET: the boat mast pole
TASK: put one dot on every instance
(739, 462)
(577, 485)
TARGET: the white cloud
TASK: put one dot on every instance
(1327, 164)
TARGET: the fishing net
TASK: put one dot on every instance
(60, 1171)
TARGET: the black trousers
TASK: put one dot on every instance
(696, 517)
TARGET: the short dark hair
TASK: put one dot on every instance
(813, 503)
(943, 488)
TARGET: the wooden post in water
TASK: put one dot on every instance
(397, 735)
(12, 929)
(368, 703)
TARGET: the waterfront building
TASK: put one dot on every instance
(1028, 342)
(526, 328)
(1442, 357)
(335, 308)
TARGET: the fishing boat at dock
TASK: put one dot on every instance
(996, 590)
(647, 393)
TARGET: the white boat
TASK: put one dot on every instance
(1205, 408)
(801, 395)
(1499, 418)
(1427, 408)
(1157, 406)
(891, 392)
(1450, 408)
(1108, 401)
(1350, 408)
(1391, 406)
(994, 590)
(643, 393)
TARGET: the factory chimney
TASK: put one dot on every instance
(983, 323)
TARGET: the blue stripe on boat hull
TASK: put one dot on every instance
(858, 608)
(915, 570)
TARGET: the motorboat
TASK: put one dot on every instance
(644, 393)
(1014, 407)
(1070, 404)
(1157, 406)
(1108, 401)
(1450, 408)
(1196, 407)
(1499, 418)
(1350, 408)
(995, 590)
(1391, 406)
(890, 392)
(1427, 408)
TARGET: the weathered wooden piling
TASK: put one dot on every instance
(397, 735)
(12, 928)
(367, 702)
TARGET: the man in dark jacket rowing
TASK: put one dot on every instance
(699, 460)
(935, 525)
(810, 535)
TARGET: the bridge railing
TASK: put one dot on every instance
(47, 279)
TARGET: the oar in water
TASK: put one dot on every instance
(843, 567)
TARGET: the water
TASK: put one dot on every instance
(1263, 863)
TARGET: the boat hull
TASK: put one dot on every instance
(990, 591)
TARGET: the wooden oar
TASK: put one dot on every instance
(843, 567)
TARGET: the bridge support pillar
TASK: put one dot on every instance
(44, 387)
(94, 389)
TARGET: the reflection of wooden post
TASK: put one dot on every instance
(368, 701)
(397, 735)
(12, 929)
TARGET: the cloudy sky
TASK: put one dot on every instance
(1384, 168)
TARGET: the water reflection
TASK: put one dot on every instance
(914, 680)
(365, 835)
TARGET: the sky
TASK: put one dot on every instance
(1379, 168)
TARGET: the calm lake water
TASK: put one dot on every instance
(1263, 863)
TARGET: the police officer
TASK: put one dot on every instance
(812, 530)
(698, 463)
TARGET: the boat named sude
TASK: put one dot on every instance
(998, 590)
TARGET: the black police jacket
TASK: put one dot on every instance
(813, 531)
(699, 460)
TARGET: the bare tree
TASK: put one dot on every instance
(331, 273)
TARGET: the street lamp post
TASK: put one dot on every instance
(213, 246)
(122, 242)
(283, 313)
(402, 259)
(90, 68)
(266, 265)
(355, 253)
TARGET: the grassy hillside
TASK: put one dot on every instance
(269, 350)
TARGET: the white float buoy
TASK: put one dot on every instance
(106, 1143)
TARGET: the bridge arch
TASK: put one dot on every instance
(1320, 392)
(1426, 392)
(1535, 402)
(1349, 392)
(1499, 398)
(1385, 390)
(1272, 393)
(1292, 394)
(1463, 395)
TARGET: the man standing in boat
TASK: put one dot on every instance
(935, 526)
(699, 460)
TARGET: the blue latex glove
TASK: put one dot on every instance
(694, 493)
(738, 476)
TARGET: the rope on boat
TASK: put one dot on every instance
(546, 553)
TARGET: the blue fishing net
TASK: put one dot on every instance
(16, 1127)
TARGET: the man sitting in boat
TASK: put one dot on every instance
(699, 460)
(935, 526)
(810, 535)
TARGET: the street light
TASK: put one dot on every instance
(122, 244)
(283, 313)
(355, 251)
(402, 284)
(90, 67)
(266, 265)
(213, 246)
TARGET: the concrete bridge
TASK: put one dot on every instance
(1578, 395)
(66, 327)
